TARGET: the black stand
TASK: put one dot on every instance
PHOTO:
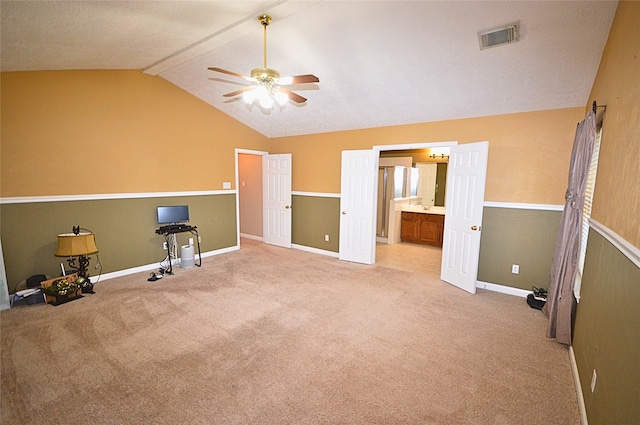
(178, 228)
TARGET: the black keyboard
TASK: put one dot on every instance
(175, 228)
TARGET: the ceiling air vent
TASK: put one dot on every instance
(499, 36)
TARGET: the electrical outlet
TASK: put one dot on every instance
(190, 241)
(164, 245)
(594, 378)
(199, 239)
(515, 268)
(326, 238)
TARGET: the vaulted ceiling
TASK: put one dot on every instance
(380, 63)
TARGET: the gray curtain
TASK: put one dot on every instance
(560, 299)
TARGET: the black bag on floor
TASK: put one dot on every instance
(35, 280)
(534, 302)
(538, 298)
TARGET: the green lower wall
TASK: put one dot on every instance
(125, 234)
(607, 334)
(124, 229)
(312, 218)
(509, 236)
(517, 236)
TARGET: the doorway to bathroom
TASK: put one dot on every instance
(409, 179)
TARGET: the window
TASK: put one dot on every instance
(586, 211)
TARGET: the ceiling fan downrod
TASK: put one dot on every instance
(265, 20)
(265, 75)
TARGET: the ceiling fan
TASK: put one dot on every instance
(267, 86)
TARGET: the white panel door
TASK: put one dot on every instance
(276, 177)
(466, 176)
(357, 206)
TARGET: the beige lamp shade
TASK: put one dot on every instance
(72, 245)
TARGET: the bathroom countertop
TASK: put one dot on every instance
(422, 209)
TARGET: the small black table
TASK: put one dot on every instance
(178, 228)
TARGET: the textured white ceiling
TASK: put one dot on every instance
(380, 63)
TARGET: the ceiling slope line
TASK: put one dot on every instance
(157, 65)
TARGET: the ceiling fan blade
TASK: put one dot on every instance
(293, 96)
(298, 79)
(239, 91)
(235, 74)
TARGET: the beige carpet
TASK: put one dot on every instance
(266, 335)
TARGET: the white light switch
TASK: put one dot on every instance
(226, 185)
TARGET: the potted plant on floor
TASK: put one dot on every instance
(62, 289)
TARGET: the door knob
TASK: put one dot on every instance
(474, 227)
(287, 207)
(344, 213)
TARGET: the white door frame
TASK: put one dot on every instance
(237, 191)
(410, 146)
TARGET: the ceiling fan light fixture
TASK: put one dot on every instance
(266, 96)
(266, 102)
(249, 96)
(261, 74)
(266, 85)
(281, 98)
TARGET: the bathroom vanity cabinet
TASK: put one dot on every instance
(422, 227)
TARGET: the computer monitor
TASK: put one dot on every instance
(172, 214)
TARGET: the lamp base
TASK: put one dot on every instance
(83, 277)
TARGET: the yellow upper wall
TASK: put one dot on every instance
(528, 152)
(616, 202)
(88, 132)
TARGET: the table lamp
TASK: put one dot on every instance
(81, 245)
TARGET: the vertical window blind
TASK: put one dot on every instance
(586, 211)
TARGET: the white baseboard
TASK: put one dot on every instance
(315, 250)
(148, 267)
(502, 289)
(253, 237)
(576, 381)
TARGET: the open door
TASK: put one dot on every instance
(357, 206)
(466, 176)
(276, 178)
